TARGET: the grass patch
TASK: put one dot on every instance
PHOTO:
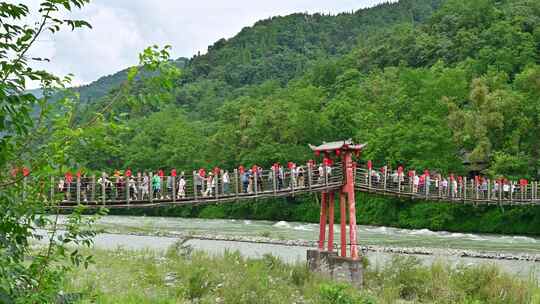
(181, 275)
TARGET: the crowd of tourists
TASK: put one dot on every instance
(427, 182)
(215, 182)
(159, 185)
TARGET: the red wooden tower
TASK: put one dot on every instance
(341, 150)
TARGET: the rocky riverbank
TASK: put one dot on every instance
(369, 248)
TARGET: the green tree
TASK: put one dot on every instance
(26, 275)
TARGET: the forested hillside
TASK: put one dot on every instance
(426, 83)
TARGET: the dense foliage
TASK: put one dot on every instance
(428, 84)
(33, 146)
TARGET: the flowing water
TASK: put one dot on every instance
(122, 228)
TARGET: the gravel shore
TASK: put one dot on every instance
(369, 248)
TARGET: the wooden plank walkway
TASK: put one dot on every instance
(88, 192)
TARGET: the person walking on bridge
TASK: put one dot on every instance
(156, 186)
(209, 185)
(182, 187)
(245, 181)
(144, 186)
(225, 180)
(301, 178)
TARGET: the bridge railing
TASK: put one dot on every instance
(466, 190)
(137, 190)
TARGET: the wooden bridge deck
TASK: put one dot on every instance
(93, 195)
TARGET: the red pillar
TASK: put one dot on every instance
(322, 223)
(349, 188)
(343, 216)
(331, 221)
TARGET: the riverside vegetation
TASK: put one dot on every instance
(427, 83)
(183, 276)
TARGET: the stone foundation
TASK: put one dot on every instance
(340, 269)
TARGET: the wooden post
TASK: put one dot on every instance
(477, 186)
(511, 191)
(103, 190)
(255, 182)
(500, 192)
(173, 188)
(465, 188)
(93, 195)
(215, 181)
(138, 195)
(236, 182)
(126, 184)
(274, 181)
(331, 203)
(439, 186)
(195, 194)
(150, 187)
(385, 178)
(369, 179)
(78, 190)
(489, 190)
(222, 183)
(310, 175)
(292, 181)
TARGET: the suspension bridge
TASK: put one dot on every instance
(337, 175)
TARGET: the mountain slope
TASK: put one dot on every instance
(282, 48)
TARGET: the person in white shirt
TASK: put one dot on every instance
(225, 179)
(144, 186)
(321, 174)
(182, 187)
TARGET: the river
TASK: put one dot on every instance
(158, 233)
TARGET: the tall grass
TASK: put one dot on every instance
(184, 276)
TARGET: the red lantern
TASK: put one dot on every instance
(369, 165)
(173, 172)
(202, 172)
(69, 177)
(128, 172)
(241, 169)
(25, 171)
(338, 152)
